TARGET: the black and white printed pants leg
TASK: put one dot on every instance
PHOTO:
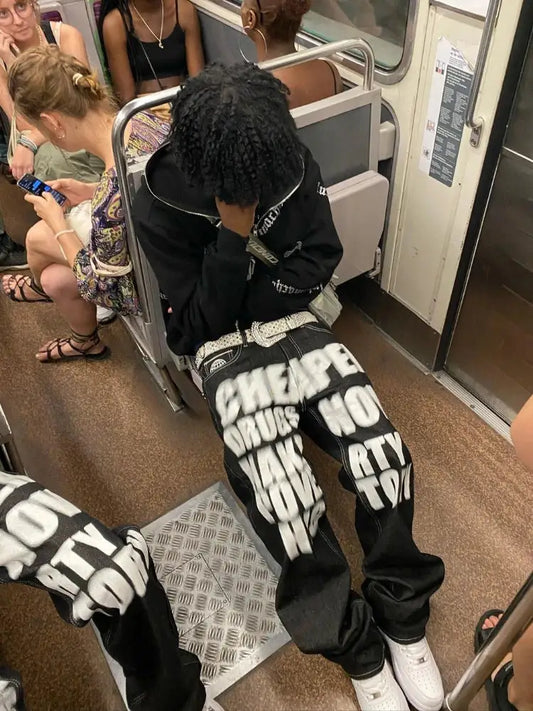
(11, 694)
(93, 573)
(261, 400)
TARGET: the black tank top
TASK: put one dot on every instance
(148, 61)
(48, 33)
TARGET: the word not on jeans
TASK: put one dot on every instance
(45, 538)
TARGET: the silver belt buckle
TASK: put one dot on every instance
(261, 339)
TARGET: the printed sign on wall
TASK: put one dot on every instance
(448, 99)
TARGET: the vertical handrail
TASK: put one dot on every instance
(515, 620)
(122, 119)
(471, 120)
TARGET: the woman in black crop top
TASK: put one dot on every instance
(150, 44)
(273, 25)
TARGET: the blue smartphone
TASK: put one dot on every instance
(35, 186)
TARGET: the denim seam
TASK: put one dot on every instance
(376, 669)
(358, 494)
(330, 544)
(409, 640)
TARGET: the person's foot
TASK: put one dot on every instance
(105, 316)
(70, 348)
(12, 255)
(417, 673)
(489, 624)
(380, 692)
(22, 288)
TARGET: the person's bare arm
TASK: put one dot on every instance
(23, 159)
(115, 41)
(190, 24)
(522, 434)
(6, 102)
(72, 43)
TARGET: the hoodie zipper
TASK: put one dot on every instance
(215, 220)
(280, 203)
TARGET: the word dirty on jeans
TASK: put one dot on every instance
(47, 539)
(384, 477)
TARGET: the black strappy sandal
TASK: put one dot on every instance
(93, 338)
(496, 688)
(22, 281)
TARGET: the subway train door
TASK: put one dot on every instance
(491, 351)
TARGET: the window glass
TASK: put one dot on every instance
(382, 23)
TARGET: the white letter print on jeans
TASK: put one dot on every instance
(259, 416)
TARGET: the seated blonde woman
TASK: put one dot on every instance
(65, 102)
(21, 29)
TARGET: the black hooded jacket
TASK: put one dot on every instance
(212, 282)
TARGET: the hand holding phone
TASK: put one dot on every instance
(37, 187)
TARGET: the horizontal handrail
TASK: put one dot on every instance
(326, 50)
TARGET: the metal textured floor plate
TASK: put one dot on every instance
(221, 583)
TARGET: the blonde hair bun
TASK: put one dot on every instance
(45, 79)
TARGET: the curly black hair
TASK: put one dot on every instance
(233, 135)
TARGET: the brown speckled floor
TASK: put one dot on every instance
(101, 435)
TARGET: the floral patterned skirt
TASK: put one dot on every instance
(117, 293)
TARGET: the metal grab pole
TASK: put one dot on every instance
(517, 617)
(471, 121)
(326, 50)
(122, 119)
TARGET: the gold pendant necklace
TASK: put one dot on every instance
(141, 18)
(42, 43)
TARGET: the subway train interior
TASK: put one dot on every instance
(427, 157)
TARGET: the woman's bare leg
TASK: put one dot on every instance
(60, 284)
(42, 250)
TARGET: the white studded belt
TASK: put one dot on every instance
(264, 333)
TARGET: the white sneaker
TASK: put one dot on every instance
(417, 673)
(380, 692)
(104, 316)
(212, 705)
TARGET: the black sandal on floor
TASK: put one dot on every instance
(496, 688)
(22, 282)
(57, 343)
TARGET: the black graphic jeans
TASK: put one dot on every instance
(92, 573)
(261, 400)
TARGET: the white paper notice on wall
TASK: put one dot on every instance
(448, 99)
(472, 7)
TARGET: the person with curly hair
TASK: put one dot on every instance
(273, 25)
(236, 223)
